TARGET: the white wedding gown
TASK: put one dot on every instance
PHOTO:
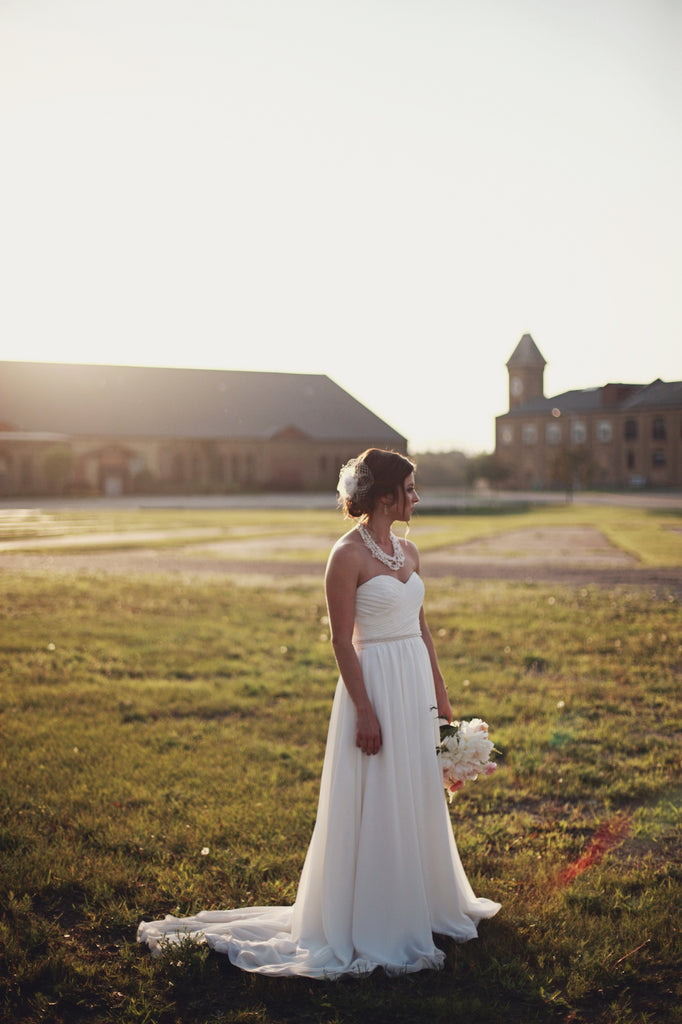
(382, 872)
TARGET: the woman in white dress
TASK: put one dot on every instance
(382, 873)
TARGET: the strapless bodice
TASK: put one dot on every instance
(386, 609)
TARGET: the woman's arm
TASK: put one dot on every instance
(442, 700)
(341, 582)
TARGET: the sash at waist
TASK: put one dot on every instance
(360, 642)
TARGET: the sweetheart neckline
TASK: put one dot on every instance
(385, 575)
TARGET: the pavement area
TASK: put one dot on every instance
(432, 497)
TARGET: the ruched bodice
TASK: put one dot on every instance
(387, 609)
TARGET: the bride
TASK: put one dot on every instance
(382, 873)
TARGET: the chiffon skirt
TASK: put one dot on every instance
(382, 873)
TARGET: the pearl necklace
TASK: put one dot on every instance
(394, 561)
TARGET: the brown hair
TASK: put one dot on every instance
(389, 470)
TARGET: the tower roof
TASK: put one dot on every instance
(526, 353)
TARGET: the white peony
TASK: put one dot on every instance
(465, 753)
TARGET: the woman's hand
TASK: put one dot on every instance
(368, 731)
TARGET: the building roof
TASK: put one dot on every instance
(659, 394)
(526, 353)
(609, 398)
(585, 400)
(141, 401)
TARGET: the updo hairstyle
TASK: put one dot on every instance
(369, 477)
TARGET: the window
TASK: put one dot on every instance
(604, 431)
(658, 457)
(658, 429)
(578, 432)
(553, 433)
(529, 433)
(631, 430)
(631, 460)
(507, 435)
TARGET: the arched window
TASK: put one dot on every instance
(578, 432)
(658, 431)
(604, 431)
(553, 433)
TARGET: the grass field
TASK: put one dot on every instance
(162, 739)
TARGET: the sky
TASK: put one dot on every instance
(389, 192)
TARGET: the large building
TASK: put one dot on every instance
(92, 429)
(617, 435)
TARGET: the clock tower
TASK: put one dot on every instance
(526, 368)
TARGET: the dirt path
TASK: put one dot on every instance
(575, 556)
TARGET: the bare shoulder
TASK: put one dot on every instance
(411, 552)
(346, 556)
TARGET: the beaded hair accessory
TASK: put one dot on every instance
(355, 480)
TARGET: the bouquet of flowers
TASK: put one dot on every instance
(464, 753)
